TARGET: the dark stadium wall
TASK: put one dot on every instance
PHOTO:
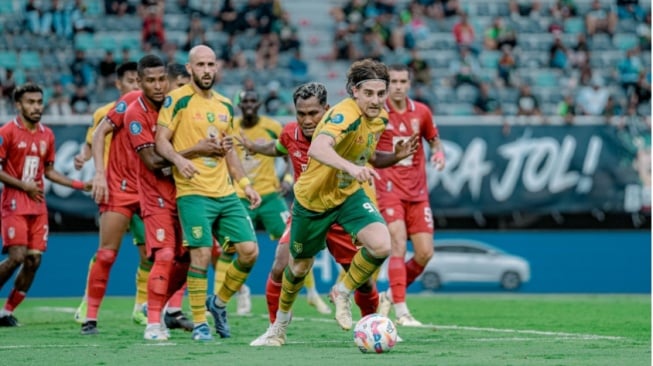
(560, 262)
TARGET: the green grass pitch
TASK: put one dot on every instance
(461, 329)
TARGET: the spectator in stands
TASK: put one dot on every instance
(630, 9)
(59, 104)
(32, 14)
(506, 66)
(354, 12)
(600, 18)
(558, 54)
(419, 68)
(414, 27)
(107, 70)
(170, 53)
(527, 103)
(286, 33)
(117, 7)
(465, 69)
(567, 108)
(644, 32)
(267, 52)
(80, 102)
(498, 35)
(441, 8)
(585, 75)
(643, 86)
(125, 55)
(81, 69)
(520, 9)
(298, 67)
(153, 31)
(343, 48)
(592, 100)
(80, 23)
(486, 104)
(562, 10)
(8, 85)
(57, 19)
(580, 53)
(371, 45)
(196, 33)
(463, 33)
(232, 54)
(612, 108)
(628, 70)
(227, 18)
(274, 105)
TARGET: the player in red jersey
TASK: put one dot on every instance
(403, 194)
(157, 195)
(115, 191)
(310, 104)
(26, 156)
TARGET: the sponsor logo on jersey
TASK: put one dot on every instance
(22, 145)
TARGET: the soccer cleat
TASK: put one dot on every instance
(202, 332)
(139, 315)
(9, 320)
(315, 301)
(177, 320)
(274, 336)
(244, 301)
(80, 313)
(155, 332)
(407, 320)
(342, 303)
(89, 328)
(385, 304)
(219, 317)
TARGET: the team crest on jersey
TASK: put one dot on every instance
(414, 123)
(135, 128)
(11, 232)
(160, 234)
(121, 107)
(167, 102)
(196, 231)
(43, 147)
(210, 117)
(297, 247)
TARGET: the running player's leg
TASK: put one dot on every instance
(137, 229)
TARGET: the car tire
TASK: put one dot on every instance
(430, 281)
(510, 280)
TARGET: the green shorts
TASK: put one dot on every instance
(224, 218)
(137, 228)
(309, 228)
(272, 213)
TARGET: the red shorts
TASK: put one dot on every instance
(26, 230)
(338, 241)
(162, 231)
(417, 215)
(128, 208)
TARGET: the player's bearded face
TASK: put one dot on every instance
(204, 79)
(370, 97)
(30, 107)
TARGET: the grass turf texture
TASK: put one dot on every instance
(472, 329)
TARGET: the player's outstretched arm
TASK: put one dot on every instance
(59, 178)
(100, 191)
(268, 148)
(165, 149)
(403, 149)
(322, 150)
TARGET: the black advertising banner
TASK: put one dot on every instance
(536, 169)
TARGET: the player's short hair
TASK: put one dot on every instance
(176, 70)
(26, 88)
(149, 62)
(126, 67)
(365, 70)
(308, 90)
(398, 67)
(244, 93)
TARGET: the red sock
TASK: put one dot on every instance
(397, 279)
(367, 301)
(413, 270)
(157, 283)
(97, 280)
(177, 298)
(14, 299)
(272, 294)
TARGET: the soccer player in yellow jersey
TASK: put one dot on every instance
(206, 200)
(126, 81)
(330, 191)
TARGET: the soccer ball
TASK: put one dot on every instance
(375, 333)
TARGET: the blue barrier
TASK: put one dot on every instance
(561, 262)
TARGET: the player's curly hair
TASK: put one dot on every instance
(308, 90)
(26, 88)
(363, 70)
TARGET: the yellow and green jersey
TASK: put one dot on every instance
(191, 118)
(259, 168)
(322, 187)
(97, 118)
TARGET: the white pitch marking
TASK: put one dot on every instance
(58, 309)
(20, 346)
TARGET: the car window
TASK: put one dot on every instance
(474, 250)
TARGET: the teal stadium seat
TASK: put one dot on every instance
(8, 59)
(84, 41)
(30, 60)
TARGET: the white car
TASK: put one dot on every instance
(473, 261)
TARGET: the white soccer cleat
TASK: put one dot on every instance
(385, 304)
(154, 332)
(244, 301)
(315, 301)
(274, 336)
(407, 320)
(342, 303)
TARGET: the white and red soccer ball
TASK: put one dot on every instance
(375, 333)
